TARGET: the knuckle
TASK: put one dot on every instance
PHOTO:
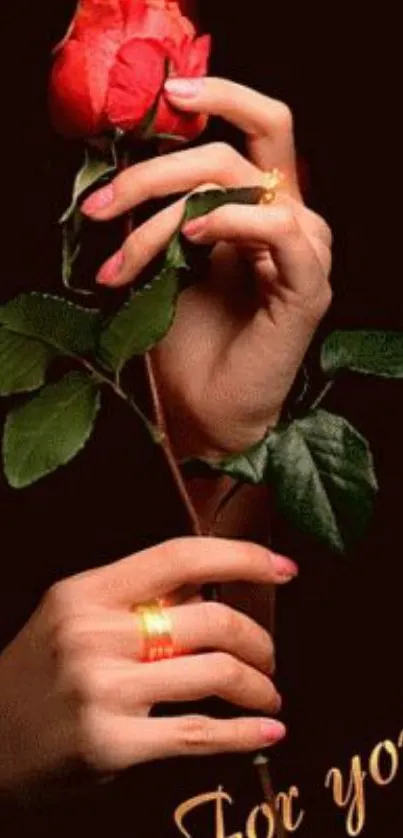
(285, 222)
(58, 600)
(325, 297)
(66, 637)
(320, 302)
(223, 621)
(230, 671)
(225, 155)
(92, 744)
(183, 554)
(275, 699)
(282, 117)
(324, 231)
(271, 656)
(179, 555)
(317, 226)
(195, 733)
(82, 683)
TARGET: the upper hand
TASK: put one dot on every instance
(238, 339)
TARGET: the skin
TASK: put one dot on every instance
(73, 677)
(246, 328)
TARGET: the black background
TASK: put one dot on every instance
(339, 625)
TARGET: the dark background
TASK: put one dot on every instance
(339, 625)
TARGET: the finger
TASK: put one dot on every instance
(130, 741)
(196, 626)
(267, 122)
(274, 230)
(148, 240)
(141, 247)
(187, 678)
(160, 570)
(144, 244)
(179, 172)
(214, 625)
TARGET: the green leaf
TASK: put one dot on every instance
(70, 248)
(369, 352)
(175, 256)
(322, 472)
(141, 323)
(250, 466)
(201, 203)
(324, 478)
(50, 429)
(67, 328)
(23, 363)
(94, 172)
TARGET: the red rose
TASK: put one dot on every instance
(110, 67)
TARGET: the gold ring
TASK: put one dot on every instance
(156, 631)
(270, 182)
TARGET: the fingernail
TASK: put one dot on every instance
(98, 200)
(272, 731)
(194, 227)
(284, 568)
(183, 88)
(110, 270)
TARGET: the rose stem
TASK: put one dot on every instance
(159, 415)
(168, 451)
(261, 762)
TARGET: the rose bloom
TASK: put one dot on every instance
(110, 67)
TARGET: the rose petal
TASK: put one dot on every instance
(79, 79)
(97, 15)
(136, 78)
(171, 121)
(145, 21)
(69, 98)
(109, 68)
(195, 60)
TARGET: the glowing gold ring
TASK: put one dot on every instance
(270, 182)
(156, 631)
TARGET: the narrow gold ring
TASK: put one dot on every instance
(156, 631)
(271, 180)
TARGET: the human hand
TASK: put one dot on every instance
(74, 692)
(239, 337)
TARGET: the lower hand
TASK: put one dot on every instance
(239, 337)
(74, 683)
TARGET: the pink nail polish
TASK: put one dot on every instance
(194, 227)
(183, 88)
(99, 200)
(284, 568)
(272, 731)
(111, 269)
